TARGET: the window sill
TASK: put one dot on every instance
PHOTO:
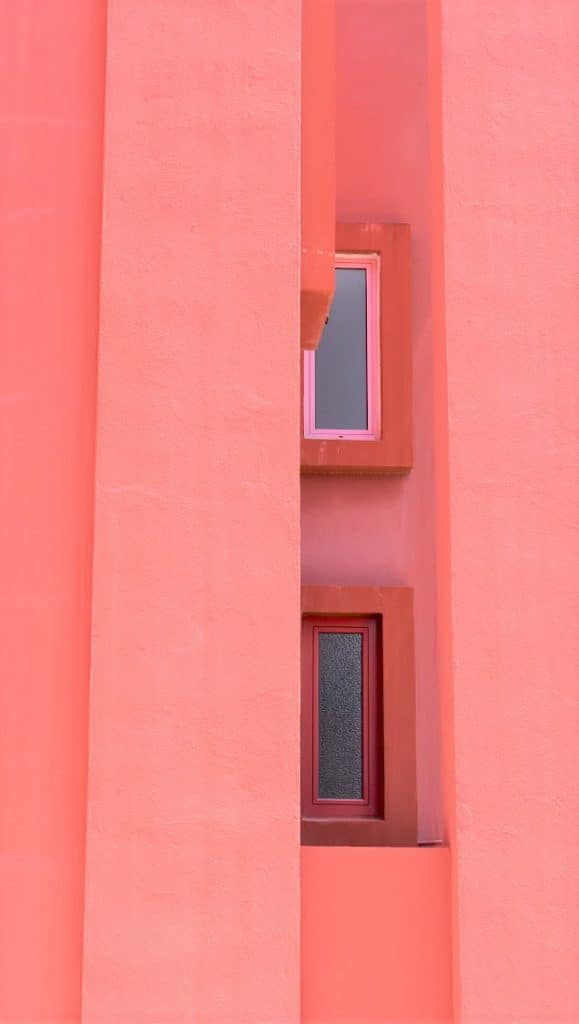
(353, 832)
(345, 456)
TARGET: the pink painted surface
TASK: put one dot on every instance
(317, 166)
(381, 951)
(372, 531)
(511, 206)
(50, 179)
(192, 904)
(442, 483)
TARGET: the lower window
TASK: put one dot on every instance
(341, 709)
(358, 722)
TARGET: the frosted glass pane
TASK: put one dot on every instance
(340, 772)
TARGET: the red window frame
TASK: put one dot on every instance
(314, 806)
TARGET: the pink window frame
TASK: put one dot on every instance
(370, 262)
(314, 806)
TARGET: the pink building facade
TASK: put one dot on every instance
(171, 180)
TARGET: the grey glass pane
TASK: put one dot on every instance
(341, 358)
(340, 772)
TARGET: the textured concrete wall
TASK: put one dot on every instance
(376, 936)
(192, 902)
(51, 98)
(510, 194)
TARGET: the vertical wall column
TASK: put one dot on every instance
(51, 97)
(192, 901)
(510, 198)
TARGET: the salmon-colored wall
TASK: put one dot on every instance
(317, 167)
(510, 199)
(50, 182)
(192, 900)
(381, 531)
(377, 951)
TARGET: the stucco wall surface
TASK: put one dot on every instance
(192, 901)
(377, 951)
(51, 98)
(510, 115)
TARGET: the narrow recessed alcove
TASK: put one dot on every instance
(367, 509)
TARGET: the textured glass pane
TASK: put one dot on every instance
(340, 773)
(341, 358)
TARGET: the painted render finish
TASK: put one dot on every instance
(188, 906)
(378, 951)
(51, 100)
(192, 893)
(510, 194)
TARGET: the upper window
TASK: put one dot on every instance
(357, 415)
(341, 378)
